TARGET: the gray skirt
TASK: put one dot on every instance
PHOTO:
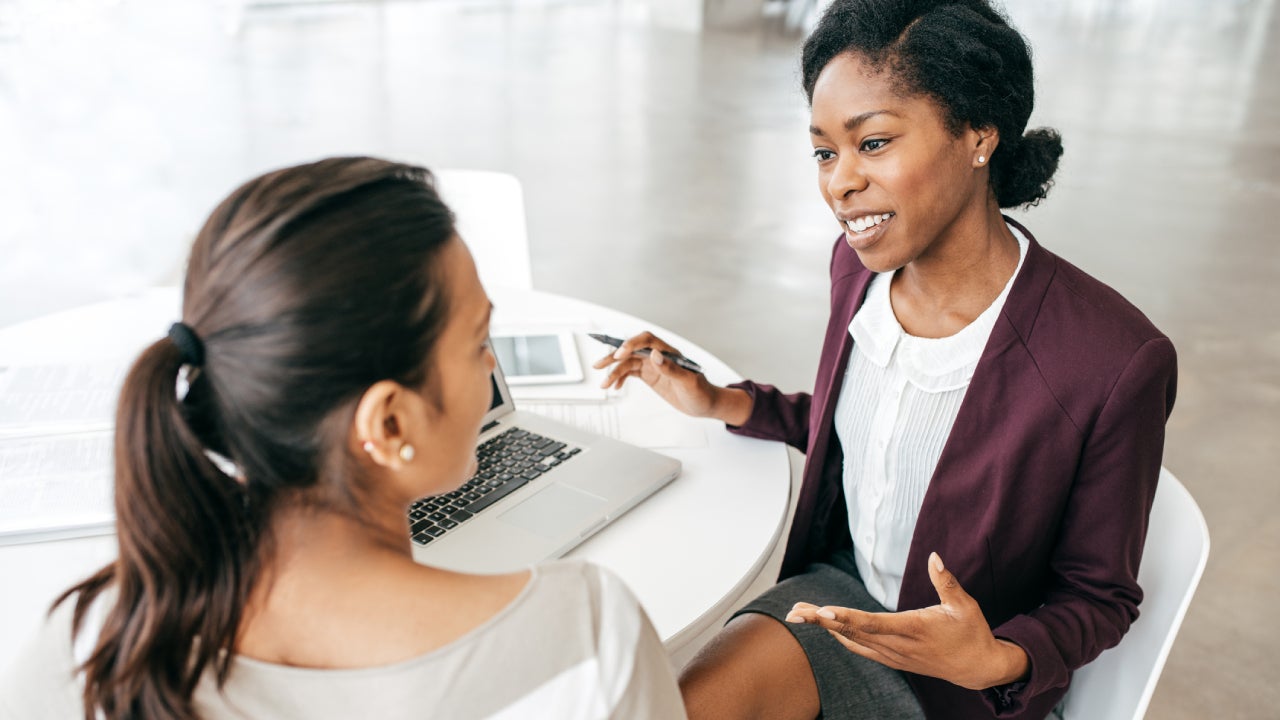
(850, 687)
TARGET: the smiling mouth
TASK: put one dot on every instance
(866, 222)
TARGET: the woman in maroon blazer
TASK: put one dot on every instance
(1048, 445)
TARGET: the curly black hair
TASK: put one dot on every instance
(965, 55)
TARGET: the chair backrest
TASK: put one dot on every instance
(1118, 685)
(490, 211)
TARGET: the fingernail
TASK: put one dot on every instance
(828, 614)
(936, 562)
(617, 354)
(794, 619)
(658, 358)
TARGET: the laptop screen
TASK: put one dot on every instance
(497, 394)
(500, 403)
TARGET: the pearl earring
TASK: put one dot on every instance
(406, 452)
(368, 446)
(982, 159)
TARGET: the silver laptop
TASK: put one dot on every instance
(542, 488)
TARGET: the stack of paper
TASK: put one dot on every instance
(55, 450)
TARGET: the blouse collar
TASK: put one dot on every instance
(932, 364)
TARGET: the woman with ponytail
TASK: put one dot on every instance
(986, 428)
(332, 365)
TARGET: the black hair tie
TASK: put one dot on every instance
(190, 349)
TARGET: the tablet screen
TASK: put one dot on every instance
(529, 355)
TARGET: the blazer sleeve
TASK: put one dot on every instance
(1093, 593)
(775, 415)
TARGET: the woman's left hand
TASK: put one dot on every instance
(950, 640)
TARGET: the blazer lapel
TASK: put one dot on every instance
(848, 293)
(958, 478)
(821, 490)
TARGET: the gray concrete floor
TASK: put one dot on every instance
(668, 174)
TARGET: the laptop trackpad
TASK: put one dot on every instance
(556, 511)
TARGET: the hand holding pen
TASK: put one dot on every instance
(677, 379)
(669, 352)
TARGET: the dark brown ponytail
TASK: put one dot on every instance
(304, 287)
(187, 556)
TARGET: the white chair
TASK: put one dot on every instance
(1118, 685)
(490, 210)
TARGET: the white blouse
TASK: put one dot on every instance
(899, 399)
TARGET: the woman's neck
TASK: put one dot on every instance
(321, 538)
(317, 561)
(309, 544)
(949, 285)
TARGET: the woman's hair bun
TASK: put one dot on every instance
(1022, 171)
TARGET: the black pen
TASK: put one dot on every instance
(680, 360)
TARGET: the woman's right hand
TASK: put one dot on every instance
(687, 391)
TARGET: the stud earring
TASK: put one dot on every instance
(368, 446)
(406, 452)
(982, 159)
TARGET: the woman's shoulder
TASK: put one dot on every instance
(587, 585)
(596, 607)
(1083, 336)
(570, 603)
(1056, 306)
(634, 677)
(1094, 301)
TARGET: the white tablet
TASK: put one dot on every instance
(538, 358)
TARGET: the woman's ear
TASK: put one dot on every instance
(984, 143)
(381, 425)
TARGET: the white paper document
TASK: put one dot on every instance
(55, 450)
(55, 486)
(40, 399)
(598, 418)
(647, 425)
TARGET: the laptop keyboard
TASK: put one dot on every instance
(506, 463)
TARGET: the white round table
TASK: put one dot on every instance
(688, 552)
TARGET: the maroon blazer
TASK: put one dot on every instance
(1041, 497)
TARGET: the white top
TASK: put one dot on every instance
(899, 399)
(573, 644)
